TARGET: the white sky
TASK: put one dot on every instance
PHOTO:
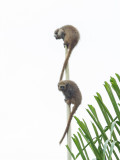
(32, 110)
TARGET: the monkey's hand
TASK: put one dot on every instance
(65, 45)
(68, 101)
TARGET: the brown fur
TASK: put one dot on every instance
(70, 36)
(72, 96)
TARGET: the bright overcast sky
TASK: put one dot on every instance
(32, 110)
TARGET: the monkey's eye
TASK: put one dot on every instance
(62, 87)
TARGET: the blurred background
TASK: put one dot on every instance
(32, 110)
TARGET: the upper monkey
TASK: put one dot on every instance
(70, 36)
(72, 96)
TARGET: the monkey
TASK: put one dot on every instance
(72, 96)
(70, 36)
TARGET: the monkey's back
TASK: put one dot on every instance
(72, 35)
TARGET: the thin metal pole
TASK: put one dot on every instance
(68, 110)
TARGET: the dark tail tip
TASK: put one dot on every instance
(60, 142)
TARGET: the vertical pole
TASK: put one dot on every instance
(68, 110)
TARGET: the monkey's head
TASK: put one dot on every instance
(59, 34)
(62, 86)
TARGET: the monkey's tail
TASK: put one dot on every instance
(65, 63)
(68, 124)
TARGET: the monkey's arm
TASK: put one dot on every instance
(70, 93)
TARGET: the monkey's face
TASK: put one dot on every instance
(59, 34)
(62, 87)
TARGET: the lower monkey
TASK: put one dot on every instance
(72, 96)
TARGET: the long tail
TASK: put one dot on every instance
(68, 124)
(65, 63)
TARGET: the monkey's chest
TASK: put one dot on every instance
(68, 95)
